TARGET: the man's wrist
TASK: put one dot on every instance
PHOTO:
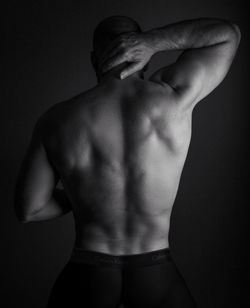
(152, 38)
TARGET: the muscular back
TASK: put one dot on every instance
(119, 150)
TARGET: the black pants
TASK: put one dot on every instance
(98, 280)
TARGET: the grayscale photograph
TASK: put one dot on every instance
(125, 155)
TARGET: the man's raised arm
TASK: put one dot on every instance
(208, 46)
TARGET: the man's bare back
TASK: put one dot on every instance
(120, 149)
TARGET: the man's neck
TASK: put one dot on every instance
(114, 74)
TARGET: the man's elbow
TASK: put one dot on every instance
(24, 220)
(21, 212)
(23, 217)
(234, 33)
(237, 32)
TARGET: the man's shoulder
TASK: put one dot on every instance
(156, 94)
(65, 107)
(65, 111)
(157, 88)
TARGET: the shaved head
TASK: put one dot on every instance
(109, 29)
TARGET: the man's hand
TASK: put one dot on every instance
(134, 48)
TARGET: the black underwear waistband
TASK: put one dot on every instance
(100, 259)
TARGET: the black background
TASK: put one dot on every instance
(46, 60)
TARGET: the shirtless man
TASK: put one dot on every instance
(119, 150)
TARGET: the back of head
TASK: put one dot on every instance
(109, 29)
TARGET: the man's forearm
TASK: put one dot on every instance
(191, 34)
(57, 206)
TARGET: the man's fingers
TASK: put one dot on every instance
(130, 69)
(115, 44)
(118, 45)
(110, 55)
(110, 52)
(118, 59)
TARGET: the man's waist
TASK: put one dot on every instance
(122, 246)
(98, 258)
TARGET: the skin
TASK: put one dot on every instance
(120, 147)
